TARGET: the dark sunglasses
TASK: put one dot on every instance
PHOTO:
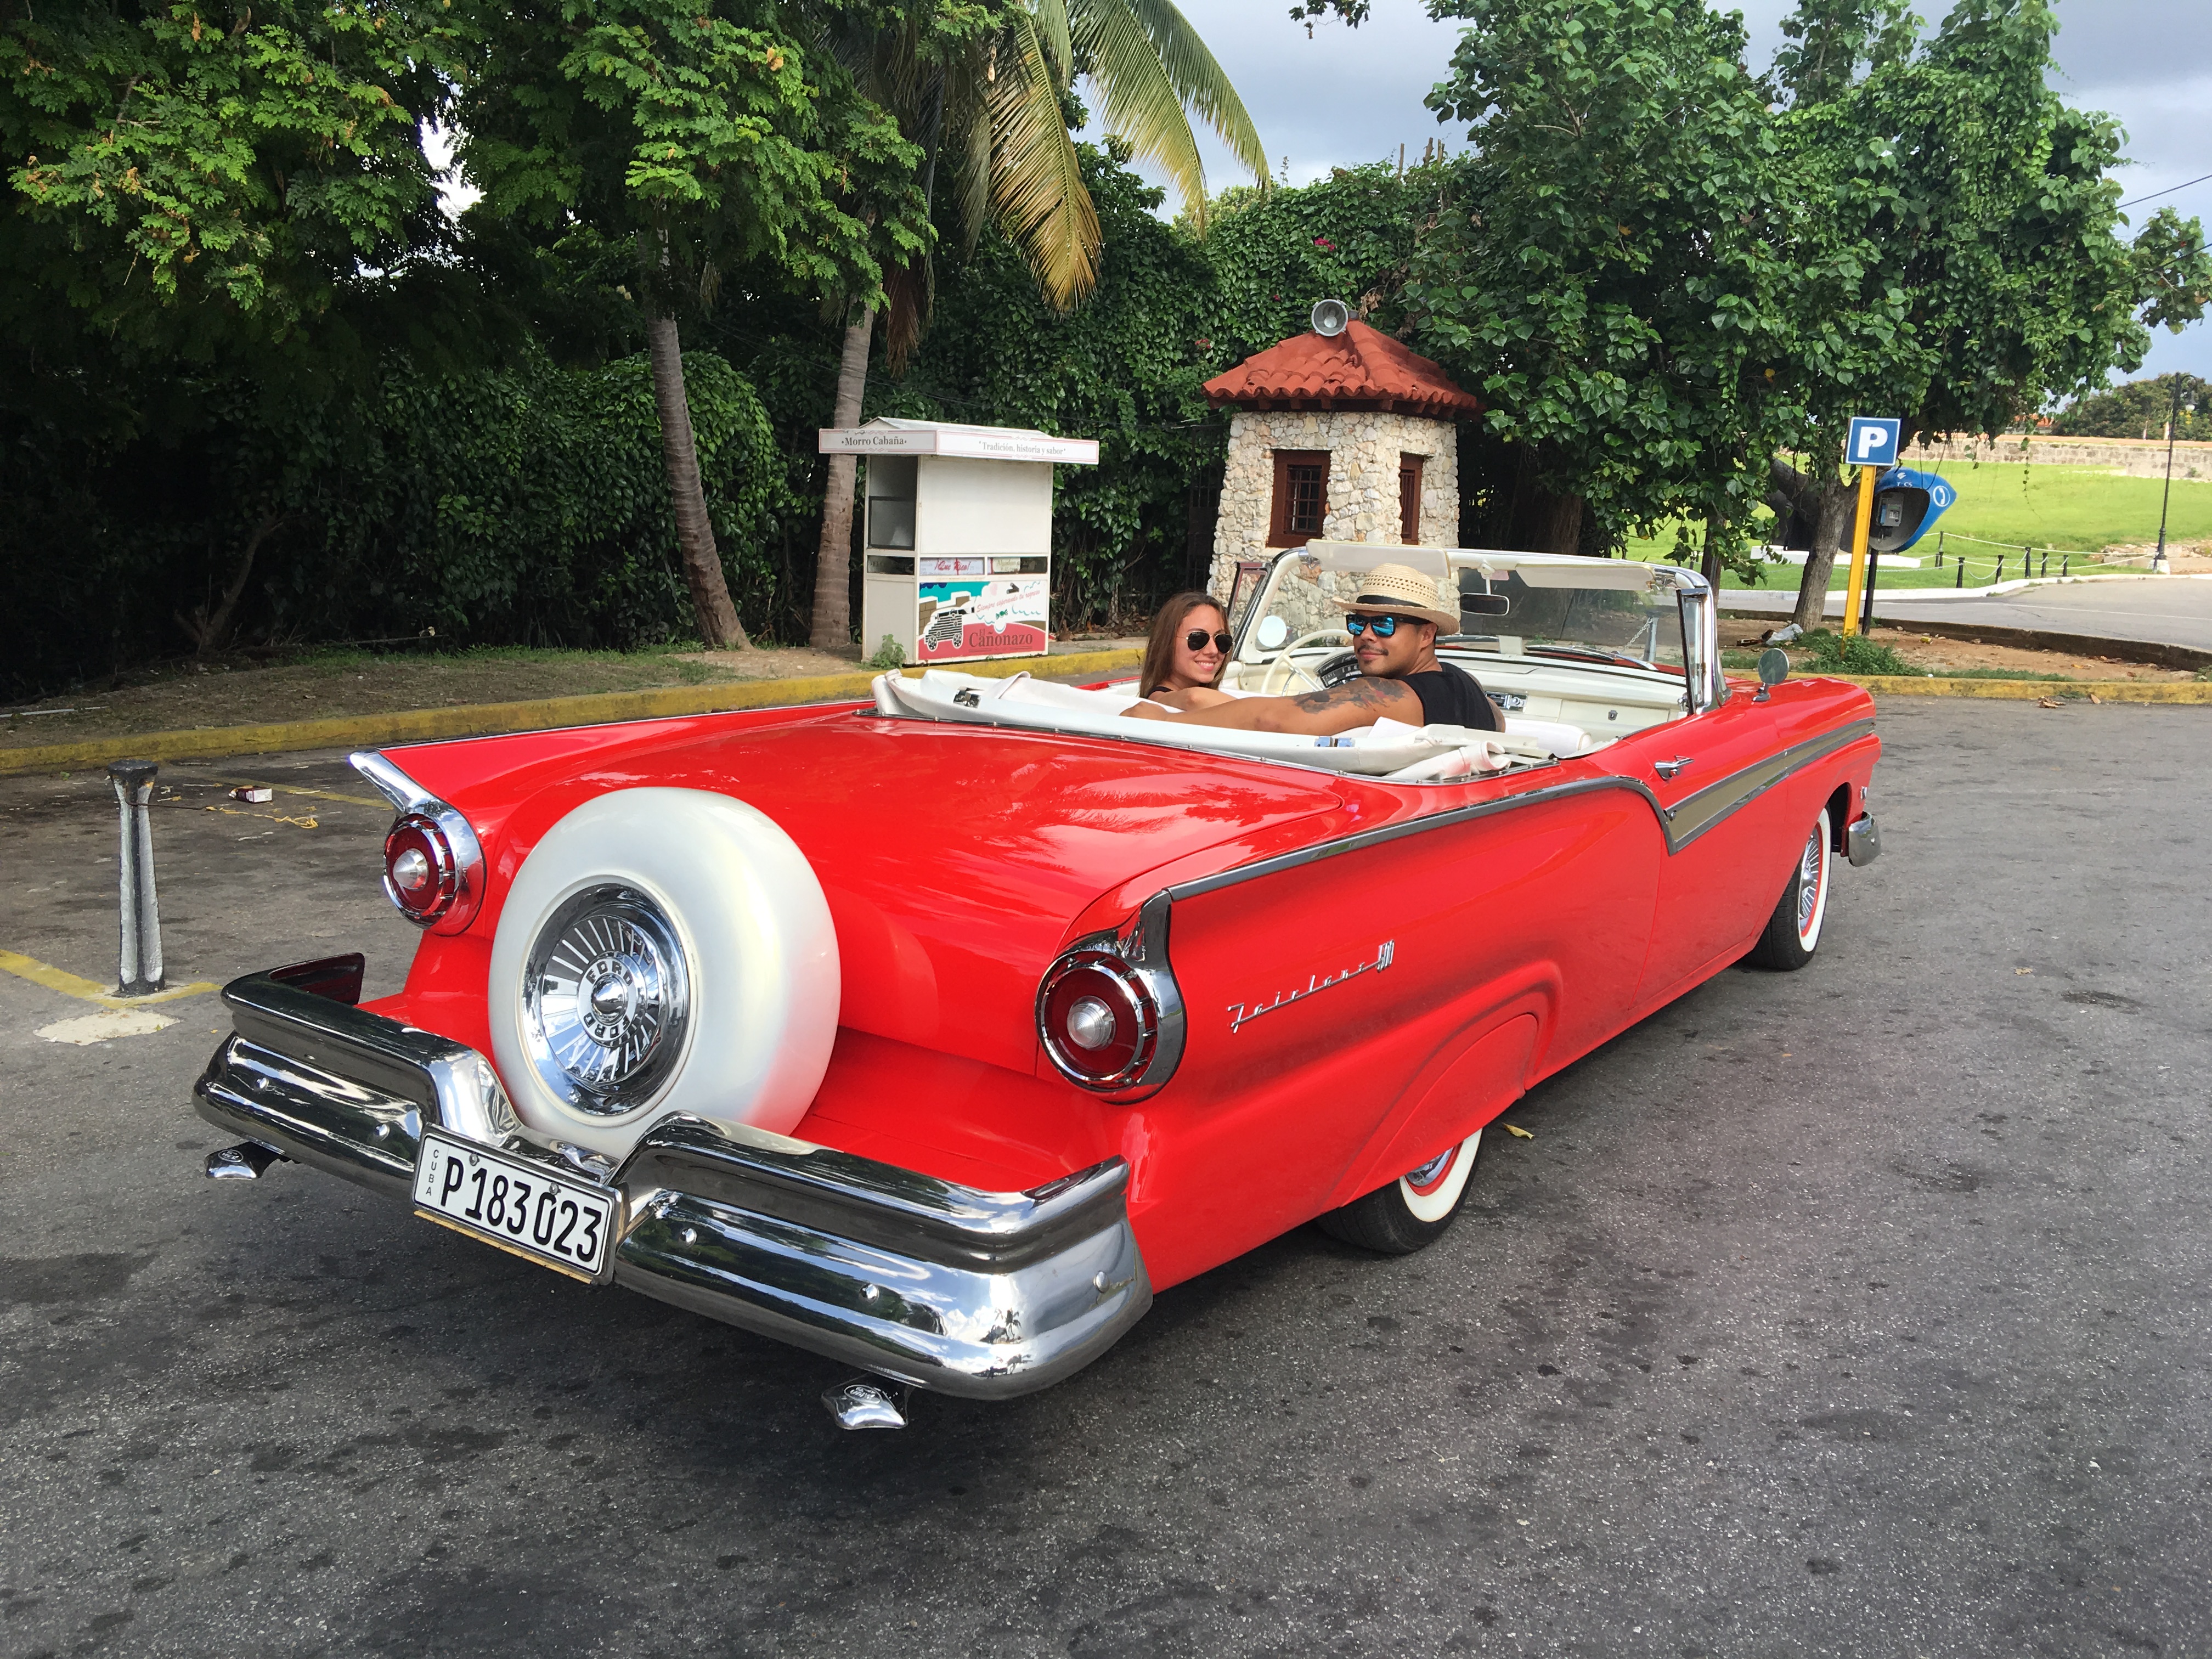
(1196, 639)
(1384, 626)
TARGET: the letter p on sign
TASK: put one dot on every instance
(1871, 442)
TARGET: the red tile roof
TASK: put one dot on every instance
(1359, 369)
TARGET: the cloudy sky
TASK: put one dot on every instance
(1346, 96)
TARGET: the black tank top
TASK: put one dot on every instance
(1451, 697)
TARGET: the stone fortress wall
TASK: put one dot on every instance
(1364, 448)
(2193, 459)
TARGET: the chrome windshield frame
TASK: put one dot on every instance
(1706, 686)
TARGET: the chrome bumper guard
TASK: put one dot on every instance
(948, 1287)
(1863, 841)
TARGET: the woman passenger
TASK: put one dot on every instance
(1187, 650)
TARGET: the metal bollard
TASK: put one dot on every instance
(1960, 580)
(140, 974)
(2066, 565)
(1999, 577)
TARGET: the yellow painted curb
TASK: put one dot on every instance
(71, 985)
(2171, 692)
(537, 715)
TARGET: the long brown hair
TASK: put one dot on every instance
(1159, 650)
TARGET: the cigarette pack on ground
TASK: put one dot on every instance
(253, 792)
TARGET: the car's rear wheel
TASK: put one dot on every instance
(1793, 931)
(1414, 1211)
(662, 950)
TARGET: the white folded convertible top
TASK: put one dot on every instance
(1388, 749)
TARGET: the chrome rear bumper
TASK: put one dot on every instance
(948, 1287)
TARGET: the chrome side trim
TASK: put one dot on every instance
(1696, 813)
(1680, 825)
(1863, 842)
(408, 796)
(928, 1281)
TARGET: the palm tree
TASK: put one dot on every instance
(996, 111)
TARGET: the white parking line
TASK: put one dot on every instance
(105, 1025)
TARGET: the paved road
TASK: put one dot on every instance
(1855, 1312)
(2166, 610)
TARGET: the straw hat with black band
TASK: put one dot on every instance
(1399, 590)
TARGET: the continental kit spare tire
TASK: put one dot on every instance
(662, 950)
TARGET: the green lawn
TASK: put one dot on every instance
(2084, 508)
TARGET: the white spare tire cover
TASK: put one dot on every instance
(662, 950)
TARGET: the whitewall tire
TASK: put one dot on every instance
(1414, 1211)
(662, 950)
(1793, 931)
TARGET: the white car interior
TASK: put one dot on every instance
(1576, 652)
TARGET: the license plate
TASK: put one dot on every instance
(563, 1223)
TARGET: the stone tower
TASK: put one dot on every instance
(1343, 437)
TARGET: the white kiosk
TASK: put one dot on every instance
(958, 536)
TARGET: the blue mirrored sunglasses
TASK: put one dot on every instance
(1384, 626)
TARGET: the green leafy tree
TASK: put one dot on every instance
(708, 136)
(2140, 409)
(193, 176)
(1965, 249)
(1612, 268)
(997, 104)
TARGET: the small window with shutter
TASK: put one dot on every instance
(1409, 499)
(1300, 496)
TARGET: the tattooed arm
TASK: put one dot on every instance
(1360, 701)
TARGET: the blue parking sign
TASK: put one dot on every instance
(1871, 442)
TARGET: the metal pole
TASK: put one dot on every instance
(2172, 426)
(1860, 527)
(1874, 570)
(139, 971)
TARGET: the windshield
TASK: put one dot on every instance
(1512, 604)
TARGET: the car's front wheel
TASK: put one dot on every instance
(1414, 1211)
(1793, 931)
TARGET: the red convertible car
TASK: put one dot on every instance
(937, 1033)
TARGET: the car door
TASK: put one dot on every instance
(1729, 852)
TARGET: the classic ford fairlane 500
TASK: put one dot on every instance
(937, 1033)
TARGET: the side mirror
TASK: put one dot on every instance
(1773, 668)
(1273, 634)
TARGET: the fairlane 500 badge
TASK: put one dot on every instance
(1242, 1013)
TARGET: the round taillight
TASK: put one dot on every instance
(1099, 1024)
(421, 875)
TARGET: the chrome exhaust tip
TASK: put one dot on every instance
(244, 1161)
(866, 1403)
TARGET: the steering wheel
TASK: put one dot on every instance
(1319, 636)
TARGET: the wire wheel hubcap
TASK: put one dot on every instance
(605, 1001)
(1811, 867)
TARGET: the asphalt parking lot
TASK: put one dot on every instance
(1861, 1311)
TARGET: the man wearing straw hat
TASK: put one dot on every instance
(1394, 620)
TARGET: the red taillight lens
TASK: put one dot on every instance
(1099, 1023)
(421, 875)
